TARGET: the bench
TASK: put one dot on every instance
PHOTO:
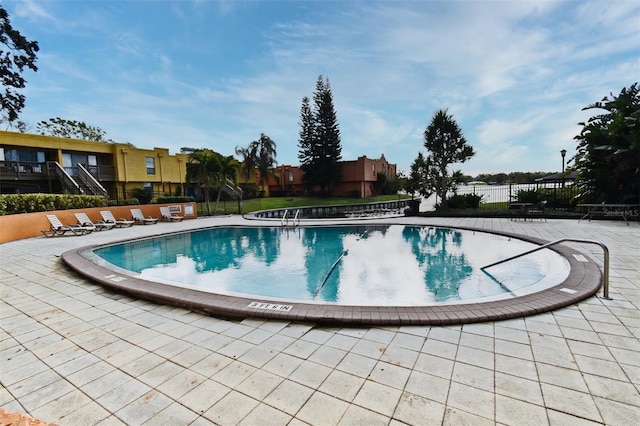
(625, 211)
(527, 210)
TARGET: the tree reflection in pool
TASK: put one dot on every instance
(384, 265)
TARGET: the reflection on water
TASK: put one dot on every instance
(353, 265)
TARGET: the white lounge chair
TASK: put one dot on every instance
(108, 217)
(166, 214)
(57, 228)
(141, 219)
(99, 225)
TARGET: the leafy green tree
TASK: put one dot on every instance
(248, 159)
(264, 152)
(17, 54)
(228, 168)
(203, 168)
(419, 178)
(607, 159)
(320, 145)
(445, 145)
(71, 129)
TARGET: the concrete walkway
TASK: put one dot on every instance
(74, 353)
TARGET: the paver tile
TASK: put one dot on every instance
(143, 408)
(231, 409)
(518, 411)
(321, 408)
(289, 396)
(266, 415)
(158, 364)
(579, 404)
(414, 409)
(259, 384)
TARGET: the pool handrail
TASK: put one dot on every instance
(605, 266)
(285, 220)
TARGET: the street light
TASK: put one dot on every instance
(563, 153)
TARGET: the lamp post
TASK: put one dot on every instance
(563, 153)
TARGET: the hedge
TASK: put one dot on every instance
(31, 203)
(177, 199)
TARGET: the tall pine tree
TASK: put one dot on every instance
(320, 146)
(307, 144)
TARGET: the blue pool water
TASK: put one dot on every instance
(384, 265)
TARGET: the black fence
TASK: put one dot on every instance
(560, 195)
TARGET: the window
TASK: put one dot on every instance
(290, 176)
(92, 160)
(151, 165)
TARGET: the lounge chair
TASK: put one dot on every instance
(99, 225)
(538, 210)
(165, 213)
(107, 216)
(57, 228)
(141, 219)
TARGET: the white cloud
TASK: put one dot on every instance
(513, 74)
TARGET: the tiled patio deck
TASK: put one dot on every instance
(74, 353)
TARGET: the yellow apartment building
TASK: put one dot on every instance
(36, 163)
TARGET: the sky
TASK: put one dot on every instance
(515, 75)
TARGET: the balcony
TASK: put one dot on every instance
(20, 170)
(14, 170)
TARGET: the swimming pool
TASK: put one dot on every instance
(361, 274)
(375, 265)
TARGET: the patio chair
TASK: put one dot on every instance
(57, 228)
(108, 217)
(538, 210)
(141, 219)
(99, 225)
(165, 213)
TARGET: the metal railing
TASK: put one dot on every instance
(102, 172)
(605, 267)
(69, 184)
(90, 181)
(22, 169)
(557, 195)
(285, 218)
(232, 189)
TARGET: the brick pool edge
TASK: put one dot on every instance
(583, 281)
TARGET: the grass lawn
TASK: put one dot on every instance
(269, 203)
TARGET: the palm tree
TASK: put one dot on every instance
(248, 158)
(203, 168)
(227, 169)
(265, 149)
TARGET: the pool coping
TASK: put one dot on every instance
(584, 280)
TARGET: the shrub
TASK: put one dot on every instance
(31, 203)
(165, 200)
(249, 190)
(124, 202)
(529, 196)
(465, 201)
(144, 195)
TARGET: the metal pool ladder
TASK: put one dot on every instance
(285, 219)
(605, 267)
